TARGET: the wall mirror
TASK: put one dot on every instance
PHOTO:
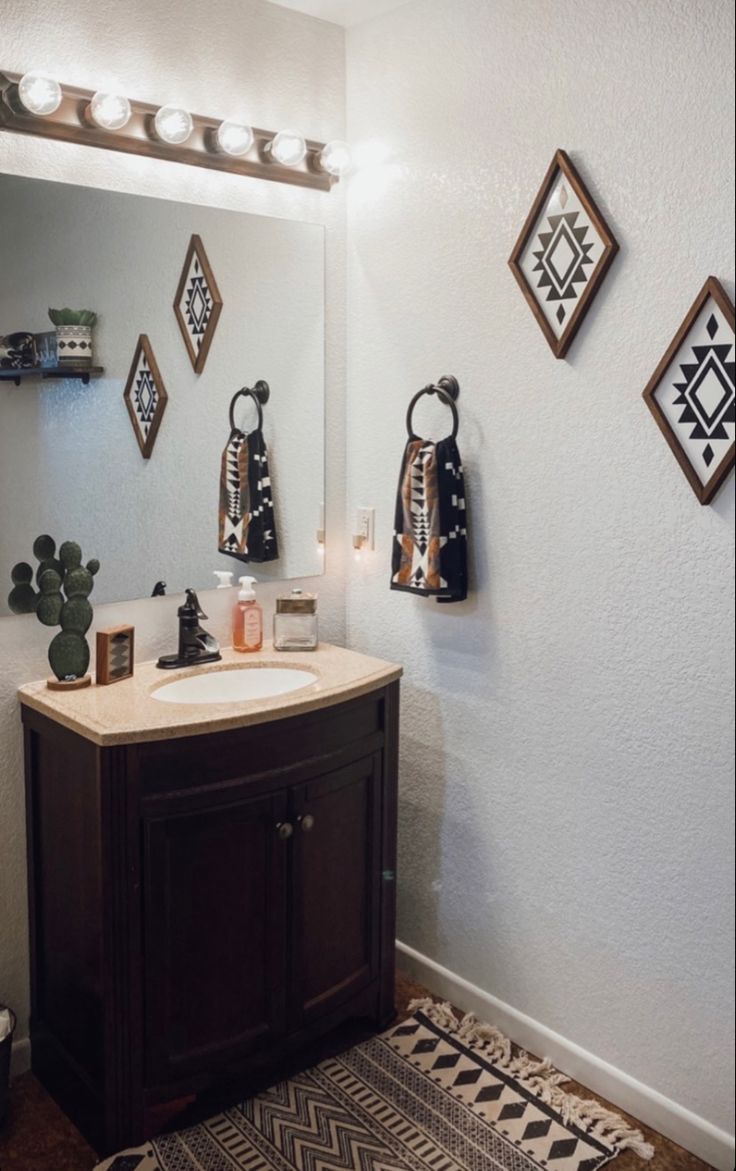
(70, 462)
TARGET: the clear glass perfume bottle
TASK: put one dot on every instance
(295, 622)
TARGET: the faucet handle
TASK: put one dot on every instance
(192, 603)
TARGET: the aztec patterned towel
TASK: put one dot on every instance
(430, 549)
(247, 523)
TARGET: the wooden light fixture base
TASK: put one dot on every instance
(70, 123)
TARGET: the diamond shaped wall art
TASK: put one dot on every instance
(197, 304)
(562, 254)
(145, 396)
(691, 393)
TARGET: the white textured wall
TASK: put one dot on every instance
(567, 742)
(277, 68)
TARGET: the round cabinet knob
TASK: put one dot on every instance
(285, 830)
(307, 823)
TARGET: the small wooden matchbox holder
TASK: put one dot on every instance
(115, 647)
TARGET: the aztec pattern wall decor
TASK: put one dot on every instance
(197, 304)
(145, 396)
(691, 393)
(562, 254)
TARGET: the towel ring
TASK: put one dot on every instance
(446, 388)
(260, 394)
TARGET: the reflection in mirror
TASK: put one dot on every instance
(72, 461)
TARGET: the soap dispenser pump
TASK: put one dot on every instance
(247, 618)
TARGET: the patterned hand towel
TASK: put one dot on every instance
(247, 524)
(430, 538)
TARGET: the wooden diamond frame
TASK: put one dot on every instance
(704, 491)
(198, 357)
(145, 442)
(561, 163)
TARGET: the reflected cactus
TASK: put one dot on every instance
(64, 586)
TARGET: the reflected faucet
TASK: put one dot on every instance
(196, 645)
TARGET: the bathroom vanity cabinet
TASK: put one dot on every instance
(205, 905)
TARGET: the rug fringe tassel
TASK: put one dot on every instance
(540, 1077)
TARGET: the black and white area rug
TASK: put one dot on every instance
(428, 1095)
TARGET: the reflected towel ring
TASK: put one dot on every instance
(260, 394)
(446, 388)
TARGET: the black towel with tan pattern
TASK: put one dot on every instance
(247, 528)
(430, 549)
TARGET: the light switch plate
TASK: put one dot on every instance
(367, 527)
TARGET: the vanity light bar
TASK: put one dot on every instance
(76, 115)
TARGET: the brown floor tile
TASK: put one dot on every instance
(38, 1136)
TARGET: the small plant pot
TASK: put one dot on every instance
(74, 345)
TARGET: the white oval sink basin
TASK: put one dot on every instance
(235, 686)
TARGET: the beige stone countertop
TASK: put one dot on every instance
(126, 712)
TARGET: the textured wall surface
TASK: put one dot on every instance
(567, 733)
(244, 58)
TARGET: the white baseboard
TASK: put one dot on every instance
(689, 1130)
(20, 1057)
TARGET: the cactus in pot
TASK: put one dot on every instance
(73, 335)
(62, 599)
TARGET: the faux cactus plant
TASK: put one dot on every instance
(62, 599)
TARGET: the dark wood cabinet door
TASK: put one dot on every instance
(215, 890)
(336, 887)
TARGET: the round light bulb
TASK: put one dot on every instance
(39, 95)
(336, 159)
(234, 138)
(288, 148)
(110, 111)
(173, 125)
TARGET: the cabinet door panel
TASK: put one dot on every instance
(336, 887)
(215, 912)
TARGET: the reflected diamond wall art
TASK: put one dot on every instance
(691, 393)
(562, 254)
(197, 304)
(145, 396)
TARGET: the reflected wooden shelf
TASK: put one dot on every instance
(45, 372)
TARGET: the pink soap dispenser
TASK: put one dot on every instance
(247, 618)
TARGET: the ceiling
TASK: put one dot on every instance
(344, 12)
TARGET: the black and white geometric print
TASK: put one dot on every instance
(513, 1115)
(696, 395)
(561, 255)
(418, 1098)
(198, 303)
(145, 396)
(233, 535)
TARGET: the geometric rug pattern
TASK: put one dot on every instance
(428, 1095)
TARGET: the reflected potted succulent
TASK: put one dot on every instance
(73, 335)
